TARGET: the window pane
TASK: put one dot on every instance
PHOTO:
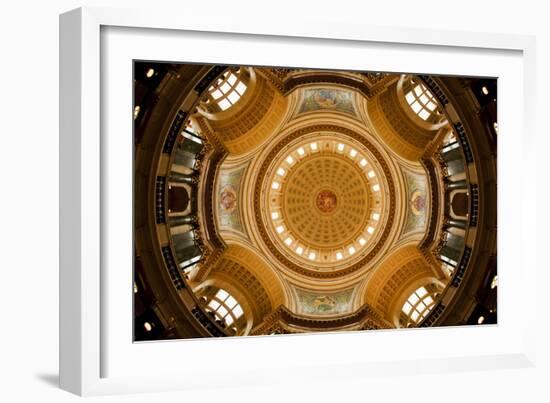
(214, 304)
(216, 94)
(233, 97)
(230, 302)
(238, 311)
(431, 106)
(416, 107)
(424, 99)
(241, 88)
(415, 315)
(418, 90)
(413, 299)
(232, 79)
(222, 294)
(428, 300)
(421, 292)
(225, 88)
(229, 320)
(407, 308)
(409, 97)
(222, 311)
(424, 114)
(224, 104)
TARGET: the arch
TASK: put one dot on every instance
(399, 127)
(419, 299)
(423, 108)
(459, 203)
(261, 269)
(178, 198)
(248, 123)
(227, 90)
(394, 277)
(250, 279)
(209, 288)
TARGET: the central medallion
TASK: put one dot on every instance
(326, 201)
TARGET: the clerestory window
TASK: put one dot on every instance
(227, 90)
(421, 101)
(418, 306)
(225, 307)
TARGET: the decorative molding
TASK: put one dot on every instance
(209, 77)
(463, 138)
(434, 314)
(160, 200)
(174, 131)
(462, 266)
(282, 320)
(172, 268)
(474, 204)
(434, 89)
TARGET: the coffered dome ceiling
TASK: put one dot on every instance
(320, 197)
(323, 201)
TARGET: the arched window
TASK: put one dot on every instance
(421, 100)
(418, 306)
(227, 90)
(225, 307)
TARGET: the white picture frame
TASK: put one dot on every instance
(91, 320)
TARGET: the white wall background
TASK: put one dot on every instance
(29, 197)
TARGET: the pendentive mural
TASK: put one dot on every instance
(327, 99)
(315, 303)
(228, 192)
(417, 199)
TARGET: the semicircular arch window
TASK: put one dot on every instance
(421, 101)
(418, 305)
(226, 308)
(228, 89)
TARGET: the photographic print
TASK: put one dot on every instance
(279, 200)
